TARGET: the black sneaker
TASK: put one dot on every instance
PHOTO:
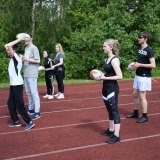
(107, 133)
(142, 119)
(113, 139)
(132, 115)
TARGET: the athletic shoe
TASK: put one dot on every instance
(46, 96)
(113, 139)
(132, 115)
(14, 124)
(29, 126)
(35, 116)
(56, 95)
(30, 112)
(61, 96)
(107, 133)
(50, 97)
(142, 119)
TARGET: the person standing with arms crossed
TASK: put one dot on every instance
(31, 61)
(142, 80)
(110, 89)
(15, 100)
(59, 70)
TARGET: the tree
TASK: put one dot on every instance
(124, 21)
(81, 26)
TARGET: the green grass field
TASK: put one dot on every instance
(71, 81)
(5, 85)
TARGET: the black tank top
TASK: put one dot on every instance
(109, 72)
(109, 86)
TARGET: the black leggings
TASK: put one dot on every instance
(16, 103)
(49, 83)
(111, 105)
(59, 78)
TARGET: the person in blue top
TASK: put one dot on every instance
(142, 80)
(110, 89)
(15, 100)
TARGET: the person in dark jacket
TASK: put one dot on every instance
(49, 75)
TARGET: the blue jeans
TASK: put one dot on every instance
(32, 93)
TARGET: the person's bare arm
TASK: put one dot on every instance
(151, 65)
(9, 45)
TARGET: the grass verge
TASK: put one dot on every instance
(40, 83)
(71, 81)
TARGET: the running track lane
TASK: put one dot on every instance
(82, 140)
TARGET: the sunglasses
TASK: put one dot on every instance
(140, 37)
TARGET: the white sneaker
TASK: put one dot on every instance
(50, 97)
(46, 96)
(61, 96)
(56, 95)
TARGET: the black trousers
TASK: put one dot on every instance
(112, 108)
(49, 83)
(59, 78)
(16, 103)
(112, 102)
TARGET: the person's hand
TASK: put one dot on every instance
(21, 56)
(24, 59)
(101, 78)
(52, 67)
(22, 38)
(132, 66)
(136, 65)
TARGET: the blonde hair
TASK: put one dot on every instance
(114, 44)
(60, 48)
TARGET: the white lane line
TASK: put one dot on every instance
(80, 148)
(63, 100)
(79, 109)
(99, 90)
(67, 110)
(61, 126)
(66, 125)
(91, 85)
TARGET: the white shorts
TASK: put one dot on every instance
(142, 83)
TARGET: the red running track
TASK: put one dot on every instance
(69, 129)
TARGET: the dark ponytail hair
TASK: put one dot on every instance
(48, 53)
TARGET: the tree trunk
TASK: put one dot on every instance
(33, 18)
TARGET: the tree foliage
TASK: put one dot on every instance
(81, 26)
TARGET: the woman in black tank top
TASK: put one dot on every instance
(110, 89)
